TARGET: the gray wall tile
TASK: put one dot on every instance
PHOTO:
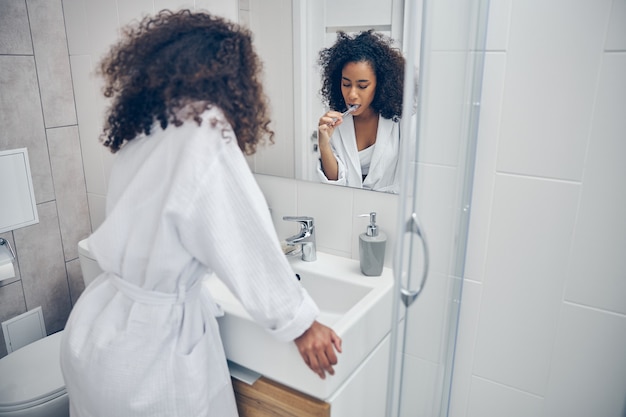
(75, 278)
(21, 121)
(14, 29)
(53, 64)
(44, 277)
(9, 237)
(13, 304)
(69, 185)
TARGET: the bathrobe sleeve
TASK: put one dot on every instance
(227, 226)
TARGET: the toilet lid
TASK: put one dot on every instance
(32, 374)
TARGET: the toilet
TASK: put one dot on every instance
(31, 382)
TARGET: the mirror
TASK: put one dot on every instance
(292, 77)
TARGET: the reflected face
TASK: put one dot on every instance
(358, 86)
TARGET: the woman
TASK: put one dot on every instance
(143, 339)
(361, 149)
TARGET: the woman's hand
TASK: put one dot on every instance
(317, 347)
(325, 129)
(326, 126)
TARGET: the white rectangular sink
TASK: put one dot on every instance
(357, 307)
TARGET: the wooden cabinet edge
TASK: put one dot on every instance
(266, 398)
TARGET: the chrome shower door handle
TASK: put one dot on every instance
(413, 226)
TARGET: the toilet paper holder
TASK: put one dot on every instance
(4, 242)
(7, 260)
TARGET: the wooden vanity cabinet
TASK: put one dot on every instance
(266, 398)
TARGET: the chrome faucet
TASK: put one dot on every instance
(306, 237)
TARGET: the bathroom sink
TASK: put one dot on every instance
(356, 307)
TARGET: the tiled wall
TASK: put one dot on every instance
(543, 323)
(37, 112)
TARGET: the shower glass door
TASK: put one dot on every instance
(444, 41)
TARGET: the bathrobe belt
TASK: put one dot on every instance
(144, 296)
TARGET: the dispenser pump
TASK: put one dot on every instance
(372, 229)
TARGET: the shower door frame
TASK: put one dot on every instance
(411, 259)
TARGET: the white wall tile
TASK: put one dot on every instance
(498, 25)
(281, 195)
(443, 111)
(228, 9)
(588, 374)
(489, 399)
(436, 200)
(133, 11)
(102, 26)
(616, 33)
(419, 394)
(597, 266)
(426, 319)
(466, 339)
(331, 206)
(448, 14)
(532, 221)
(485, 165)
(552, 70)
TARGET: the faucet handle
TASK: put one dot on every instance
(305, 221)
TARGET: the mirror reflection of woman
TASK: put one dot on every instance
(361, 149)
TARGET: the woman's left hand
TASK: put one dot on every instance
(317, 347)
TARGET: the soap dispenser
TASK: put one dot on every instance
(372, 248)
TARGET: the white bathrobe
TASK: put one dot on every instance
(383, 171)
(143, 339)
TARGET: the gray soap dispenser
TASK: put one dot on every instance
(372, 248)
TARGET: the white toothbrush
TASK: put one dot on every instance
(351, 109)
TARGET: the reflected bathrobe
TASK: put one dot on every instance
(143, 338)
(384, 167)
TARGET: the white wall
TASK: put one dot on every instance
(543, 317)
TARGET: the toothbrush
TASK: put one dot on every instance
(351, 109)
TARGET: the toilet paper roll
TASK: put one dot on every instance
(7, 271)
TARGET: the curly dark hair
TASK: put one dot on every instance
(174, 59)
(386, 61)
